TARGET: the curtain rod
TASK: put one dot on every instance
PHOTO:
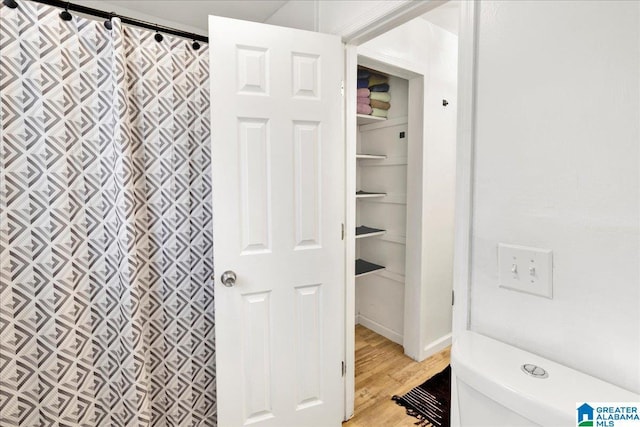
(125, 19)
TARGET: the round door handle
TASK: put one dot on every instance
(228, 278)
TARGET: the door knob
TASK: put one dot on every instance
(228, 278)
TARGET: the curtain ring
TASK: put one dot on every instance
(108, 24)
(159, 37)
(11, 4)
(65, 15)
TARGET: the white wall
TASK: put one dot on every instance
(557, 166)
(120, 7)
(192, 15)
(432, 51)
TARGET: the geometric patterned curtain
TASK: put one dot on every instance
(106, 297)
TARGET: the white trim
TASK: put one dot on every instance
(436, 346)
(350, 87)
(379, 329)
(464, 166)
(414, 291)
(382, 18)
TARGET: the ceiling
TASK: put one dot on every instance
(189, 14)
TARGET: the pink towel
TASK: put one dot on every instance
(363, 92)
(364, 109)
(364, 100)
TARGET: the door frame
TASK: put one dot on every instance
(465, 161)
(367, 29)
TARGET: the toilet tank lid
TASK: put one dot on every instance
(494, 369)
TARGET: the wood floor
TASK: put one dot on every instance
(383, 370)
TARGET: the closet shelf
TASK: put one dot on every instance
(365, 267)
(364, 231)
(364, 119)
(365, 194)
(371, 156)
(389, 161)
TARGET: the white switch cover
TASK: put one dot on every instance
(526, 269)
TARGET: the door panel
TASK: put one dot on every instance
(255, 185)
(278, 179)
(306, 141)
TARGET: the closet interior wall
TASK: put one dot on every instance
(379, 296)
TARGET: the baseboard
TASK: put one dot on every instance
(380, 329)
(435, 346)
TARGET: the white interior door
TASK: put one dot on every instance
(278, 202)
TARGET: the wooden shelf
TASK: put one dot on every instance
(365, 194)
(364, 119)
(365, 267)
(364, 231)
(371, 156)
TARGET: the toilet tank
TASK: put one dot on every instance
(490, 387)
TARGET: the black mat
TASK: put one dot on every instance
(430, 402)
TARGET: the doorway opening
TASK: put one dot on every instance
(402, 170)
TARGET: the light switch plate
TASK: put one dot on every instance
(526, 269)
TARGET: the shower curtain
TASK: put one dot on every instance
(106, 293)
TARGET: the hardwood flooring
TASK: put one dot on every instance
(383, 370)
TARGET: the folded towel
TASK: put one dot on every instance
(378, 88)
(377, 79)
(380, 96)
(378, 112)
(365, 100)
(365, 109)
(363, 83)
(363, 74)
(379, 104)
(363, 92)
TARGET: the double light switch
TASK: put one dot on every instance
(526, 269)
